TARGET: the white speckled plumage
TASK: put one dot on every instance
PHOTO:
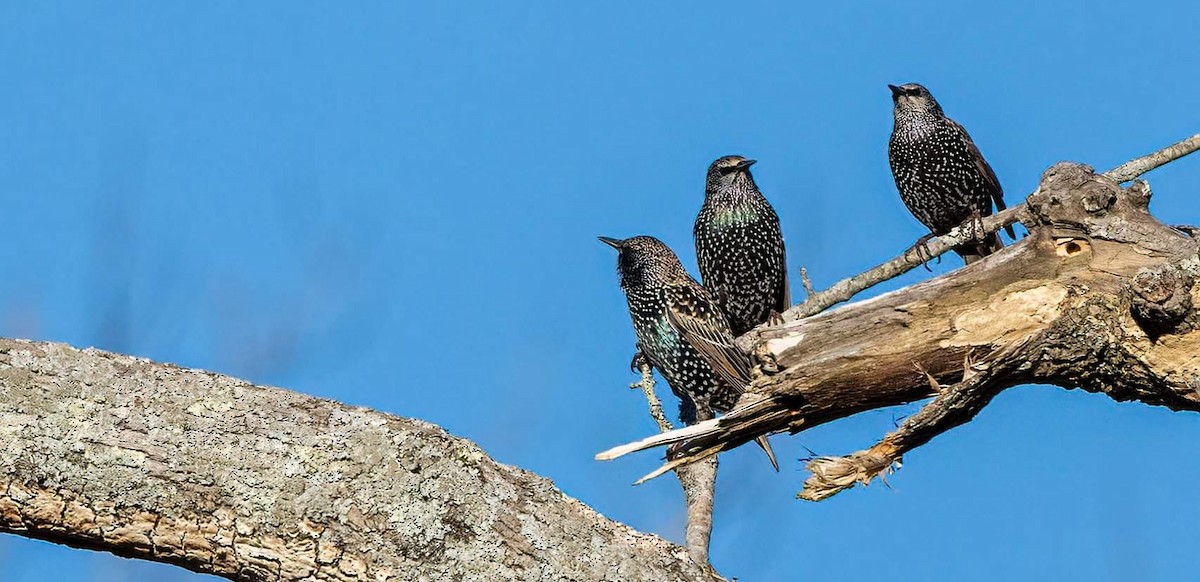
(668, 308)
(942, 177)
(739, 246)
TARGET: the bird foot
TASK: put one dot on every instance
(921, 248)
(774, 318)
(639, 360)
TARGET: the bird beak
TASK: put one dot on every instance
(742, 165)
(612, 242)
(896, 91)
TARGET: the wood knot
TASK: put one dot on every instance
(1071, 194)
(1161, 297)
(1139, 193)
(767, 365)
(1097, 197)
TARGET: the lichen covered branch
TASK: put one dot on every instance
(255, 484)
(646, 384)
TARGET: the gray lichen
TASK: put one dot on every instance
(254, 483)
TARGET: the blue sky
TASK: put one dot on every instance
(395, 205)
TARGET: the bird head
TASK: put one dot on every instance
(913, 98)
(728, 170)
(643, 260)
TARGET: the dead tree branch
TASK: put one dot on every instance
(1134, 168)
(699, 480)
(951, 406)
(847, 288)
(1100, 296)
(219, 476)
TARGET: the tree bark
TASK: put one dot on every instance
(252, 483)
(1099, 296)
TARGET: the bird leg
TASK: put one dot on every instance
(978, 232)
(637, 363)
(921, 248)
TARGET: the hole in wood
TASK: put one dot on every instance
(1069, 247)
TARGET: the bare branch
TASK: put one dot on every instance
(1134, 168)
(699, 489)
(1053, 308)
(646, 383)
(847, 288)
(219, 476)
(952, 406)
(699, 480)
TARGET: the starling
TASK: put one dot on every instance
(681, 330)
(739, 246)
(941, 176)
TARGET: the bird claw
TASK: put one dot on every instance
(774, 318)
(921, 248)
(638, 362)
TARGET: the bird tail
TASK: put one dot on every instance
(766, 447)
(972, 252)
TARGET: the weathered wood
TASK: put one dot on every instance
(253, 483)
(1054, 308)
(918, 255)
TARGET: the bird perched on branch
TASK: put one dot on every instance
(739, 246)
(940, 173)
(681, 331)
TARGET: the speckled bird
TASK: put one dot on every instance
(940, 173)
(681, 330)
(739, 246)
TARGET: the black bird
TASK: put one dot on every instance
(739, 246)
(681, 331)
(941, 176)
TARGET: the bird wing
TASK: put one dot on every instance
(696, 317)
(989, 175)
(784, 300)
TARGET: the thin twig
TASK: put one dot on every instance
(808, 286)
(1134, 168)
(697, 479)
(845, 289)
(647, 386)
